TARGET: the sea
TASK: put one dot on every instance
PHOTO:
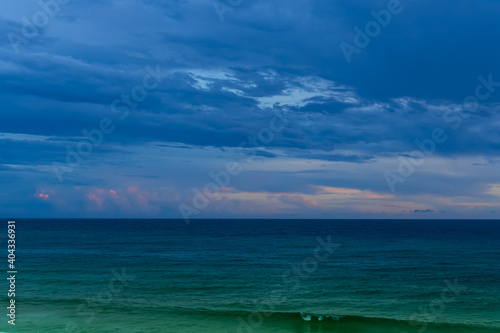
(254, 276)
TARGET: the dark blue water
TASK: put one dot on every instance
(257, 276)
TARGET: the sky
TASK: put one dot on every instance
(250, 109)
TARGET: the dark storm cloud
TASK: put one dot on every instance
(223, 82)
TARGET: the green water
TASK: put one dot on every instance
(257, 276)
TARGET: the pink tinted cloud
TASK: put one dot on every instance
(350, 192)
(43, 194)
(378, 196)
(298, 200)
(131, 201)
(335, 190)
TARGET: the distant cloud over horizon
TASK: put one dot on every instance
(148, 108)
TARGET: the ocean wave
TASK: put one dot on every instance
(328, 322)
(293, 321)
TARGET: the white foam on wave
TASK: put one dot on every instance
(320, 317)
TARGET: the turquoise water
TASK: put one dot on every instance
(256, 276)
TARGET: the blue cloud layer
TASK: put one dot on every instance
(223, 83)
